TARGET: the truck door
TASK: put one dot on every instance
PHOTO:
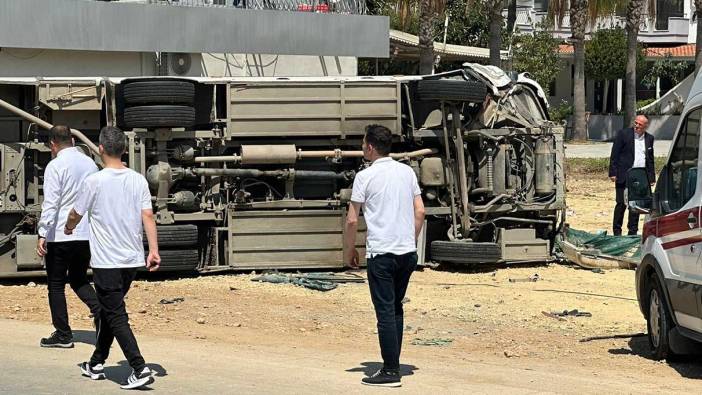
(679, 225)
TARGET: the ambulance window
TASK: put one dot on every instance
(682, 166)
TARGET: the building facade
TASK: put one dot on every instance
(187, 37)
(671, 30)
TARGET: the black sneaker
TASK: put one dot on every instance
(138, 380)
(56, 340)
(96, 372)
(383, 378)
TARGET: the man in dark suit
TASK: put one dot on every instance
(633, 147)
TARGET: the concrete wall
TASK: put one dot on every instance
(605, 127)
(228, 65)
(115, 26)
(18, 62)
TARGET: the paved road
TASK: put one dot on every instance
(202, 367)
(602, 150)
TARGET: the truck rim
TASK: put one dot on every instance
(654, 317)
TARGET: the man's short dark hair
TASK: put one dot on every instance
(113, 141)
(380, 138)
(61, 135)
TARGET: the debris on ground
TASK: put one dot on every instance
(571, 313)
(554, 316)
(609, 337)
(432, 342)
(510, 354)
(172, 301)
(531, 279)
(598, 249)
(315, 281)
(32, 284)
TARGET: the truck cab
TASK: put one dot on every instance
(669, 276)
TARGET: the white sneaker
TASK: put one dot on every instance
(138, 380)
(96, 372)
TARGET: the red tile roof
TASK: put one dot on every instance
(682, 51)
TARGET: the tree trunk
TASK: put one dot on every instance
(698, 46)
(579, 121)
(634, 14)
(578, 23)
(511, 16)
(426, 38)
(605, 97)
(495, 32)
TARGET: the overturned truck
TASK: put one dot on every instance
(256, 173)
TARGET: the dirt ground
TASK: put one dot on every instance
(479, 313)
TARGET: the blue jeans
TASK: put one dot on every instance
(388, 277)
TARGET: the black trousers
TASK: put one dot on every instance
(388, 277)
(67, 262)
(633, 222)
(111, 286)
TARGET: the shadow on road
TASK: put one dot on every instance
(118, 374)
(368, 368)
(85, 337)
(688, 366)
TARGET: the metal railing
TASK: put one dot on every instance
(319, 6)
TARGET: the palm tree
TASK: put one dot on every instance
(698, 46)
(582, 14)
(428, 12)
(494, 7)
(634, 17)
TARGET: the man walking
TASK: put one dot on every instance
(394, 212)
(66, 256)
(633, 148)
(117, 201)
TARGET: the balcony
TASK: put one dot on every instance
(317, 27)
(676, 30)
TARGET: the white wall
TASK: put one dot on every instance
(20, 62)
(225, 65)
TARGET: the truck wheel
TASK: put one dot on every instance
(465, 252)
(159, 92)
(165, 116)
(175, 236)
(658, 322)
(451, 90)
(179, 260)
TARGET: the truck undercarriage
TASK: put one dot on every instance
(255, 173)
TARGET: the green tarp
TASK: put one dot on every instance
(600, 243)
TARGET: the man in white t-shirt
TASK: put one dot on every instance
(117, 202)
(393, 210)
(66, 257)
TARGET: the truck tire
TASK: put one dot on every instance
(175, 236)
(179, 260)
(658, 321)
(163, 116)
(465, 252)
(159, 92)
(451, 90)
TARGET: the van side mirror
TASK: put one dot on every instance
(638, 191)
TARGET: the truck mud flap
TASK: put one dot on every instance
(465, 252)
